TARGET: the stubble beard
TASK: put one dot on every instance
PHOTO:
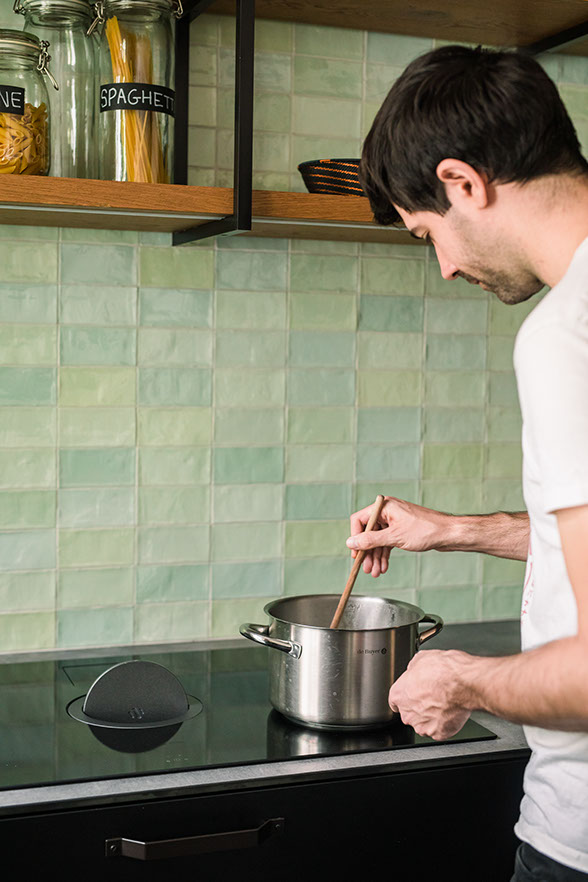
(510, 288)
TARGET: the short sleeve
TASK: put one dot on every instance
(551, 364)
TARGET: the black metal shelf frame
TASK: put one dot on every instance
(240, 219)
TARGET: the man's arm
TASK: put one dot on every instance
(416, 528)
(545, 687)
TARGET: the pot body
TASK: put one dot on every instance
(339, 678)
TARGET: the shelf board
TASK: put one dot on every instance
(166, 208)
(500, 23)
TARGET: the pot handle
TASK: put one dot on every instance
(437, 622)
(260, 634)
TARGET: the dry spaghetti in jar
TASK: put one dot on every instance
(24, 104)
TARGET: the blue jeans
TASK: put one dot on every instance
(532, 866)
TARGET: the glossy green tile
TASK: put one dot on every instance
(165, 307)
(174, 427)
(324, 248)
(79, 548)
(272, 69)
(365, 494)
(452, 604)
(455, 352)
(31, 233)
(379, 78)
(257, 310)
(159, 386)
(389, 388)
(255, 388)
(392, 425)
(316, 575)
(85, 304)
(250, 349)
(170, 583)
(448, 316)
(500, 353)
(88, 468)
(506, 319)
(28, 303)
(376, 463)
(501, 602)
(573, 70)
(96, 427)
(306, 147)
(395, 313)
(392, 276)
(201, 152)
(500, 571)
(504, 424)
(27, 468)
(25, 591)
(228, 615)
(316, 538)
(340, 78)
(149, 238)
(318, 349)
(393, 350)
(204, 31)
(176, 267)
(167, 622)
(203, 66)
(249, 425)
(90, 588)
(403, 50)
(328, 41)
(309, 425)
(438, 569)
(103, 237)
(202, 106)
(502, 494)
(247, 502)
(27, 550)
(174, 505)
(27, 426)
(502, 390)
(255, 270)
(96, 387)
(110, 626)
(323, 273)
(248, 465)
(454, 423)
(319, 462)
(504, 460)
(97, 346)
(98, 507)
(28, 344)
(22, 263)
(329, 387)
(323, 312)
(169, 465)
(574, 98)
(273, 36)
(271, 111)
(257, 579)
(457, 497)
(27, 509)
(27, 385)
(28, 630)
(254, 243)
(161, 346)
(111, 264)
(437, 286)
(259, 541)
(453, 460)
(455, 388)
(317, 501)
(173, 544)
(327, 117)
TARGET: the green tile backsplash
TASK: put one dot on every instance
(185, 431)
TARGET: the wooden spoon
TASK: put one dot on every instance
(356, 565)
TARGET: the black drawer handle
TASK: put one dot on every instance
(168, 848)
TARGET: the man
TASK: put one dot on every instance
(474, 152)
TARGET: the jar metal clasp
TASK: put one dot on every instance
(44, 59)
(98, 19)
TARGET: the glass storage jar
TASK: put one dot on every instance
(24, 104)
(64, 23)
(136, 101)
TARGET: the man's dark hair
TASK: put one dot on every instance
(497, 111)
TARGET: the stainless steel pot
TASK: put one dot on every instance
(339, 678)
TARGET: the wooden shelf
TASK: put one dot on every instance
(503, 23)
(72, 202)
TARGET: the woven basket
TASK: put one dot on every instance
(338, 176)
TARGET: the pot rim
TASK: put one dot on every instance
(401, 603)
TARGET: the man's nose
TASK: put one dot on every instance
(448, 270)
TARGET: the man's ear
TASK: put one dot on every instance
(463, 184)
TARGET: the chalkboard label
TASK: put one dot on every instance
(12, 100)
(137, 96)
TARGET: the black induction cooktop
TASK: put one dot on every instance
(230, 722)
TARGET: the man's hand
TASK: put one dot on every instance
(426, 696)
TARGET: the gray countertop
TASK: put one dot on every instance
(492, 638)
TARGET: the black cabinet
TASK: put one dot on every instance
(453, 822)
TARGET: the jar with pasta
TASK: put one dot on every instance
(24, 104)
(136, 92)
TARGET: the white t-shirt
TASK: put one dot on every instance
(551, 365)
